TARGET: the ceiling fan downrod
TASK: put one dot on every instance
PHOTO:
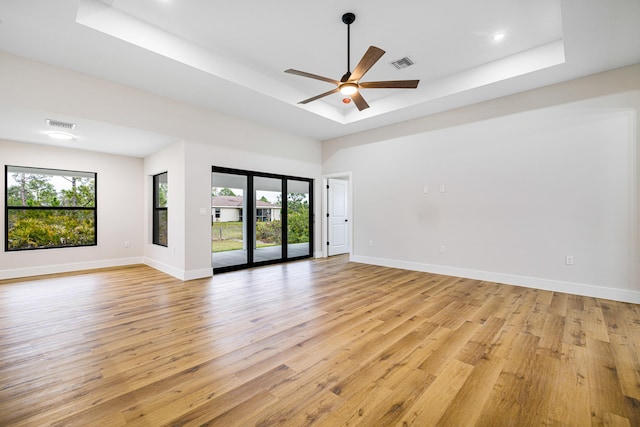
(348, 18)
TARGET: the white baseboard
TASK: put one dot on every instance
(198, 274)
(178, 273)
(90, 265)
(616, 294)
(65, 268)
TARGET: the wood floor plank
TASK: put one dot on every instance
(572, 388)
(605, 388)
(510, 389)
(248, 397)
(551, 335)
(375, 378)
(594, 324)
(558, 304)
(626, 355)
(450, 348)
(316, 342)
(481, 342)
(432, 404)
(466, 407)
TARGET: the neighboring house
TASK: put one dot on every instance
(229, 208)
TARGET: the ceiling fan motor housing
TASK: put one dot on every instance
(348, 18)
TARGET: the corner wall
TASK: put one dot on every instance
(169, 259)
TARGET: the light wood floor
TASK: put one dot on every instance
(315, 342)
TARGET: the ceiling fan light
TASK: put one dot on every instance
(348, 89)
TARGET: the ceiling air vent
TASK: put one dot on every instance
(59, 124)
(403, 63)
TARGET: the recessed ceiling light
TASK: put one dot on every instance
(498, 36)
(61, 135)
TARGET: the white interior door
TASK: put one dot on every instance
(338, 217)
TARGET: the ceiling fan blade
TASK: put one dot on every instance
(322, 95)
(359, 101)
(391, 84)
(370, 57)
(311, 76)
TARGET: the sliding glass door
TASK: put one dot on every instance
(298, 218)
(259, 218)
(267, 239)
(228, 226)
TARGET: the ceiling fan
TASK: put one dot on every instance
(349, 84)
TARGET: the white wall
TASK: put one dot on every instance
(522, 191)
(227, 214)
(120, 211)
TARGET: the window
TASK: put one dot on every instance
(263, 215)
(217, 213)
(49, 208)
(160, 214)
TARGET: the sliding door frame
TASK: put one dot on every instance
(250, 217)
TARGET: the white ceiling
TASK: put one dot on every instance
(231, 56)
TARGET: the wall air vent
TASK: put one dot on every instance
(403, 63)
(59, 124)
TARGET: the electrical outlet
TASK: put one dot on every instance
(126, 244)
(441, 249)
(370, 242)
(568, 260)
(442, 188)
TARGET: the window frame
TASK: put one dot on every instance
(158, 210)
(263, 215)
(52, 172)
